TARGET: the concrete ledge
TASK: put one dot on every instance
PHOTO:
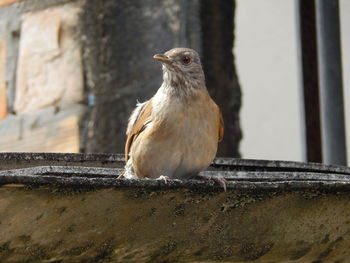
(72, 212)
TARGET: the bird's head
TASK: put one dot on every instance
(182, 68)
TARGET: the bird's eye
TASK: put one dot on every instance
(186, 60)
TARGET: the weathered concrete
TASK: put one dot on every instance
(51, 129)
(142, 224)
(49, 70)
(70, 213)
(22, 160)
(11, 19)
(43, 76)
(120, 39)
(3, 69)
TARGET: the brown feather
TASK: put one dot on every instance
(141, 122)
(221, 127)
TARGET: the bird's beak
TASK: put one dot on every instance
(162, 58)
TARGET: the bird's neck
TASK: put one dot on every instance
(179, 84)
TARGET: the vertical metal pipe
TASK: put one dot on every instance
(331, 88)
(310, 82)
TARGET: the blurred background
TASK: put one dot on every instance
(71, 72)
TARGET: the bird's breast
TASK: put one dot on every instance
(182, 138)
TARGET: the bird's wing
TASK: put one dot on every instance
(221, 126)
(138, 121)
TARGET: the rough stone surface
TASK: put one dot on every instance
(8, 2)
(3, 85)
(70, 213)
(138, 224)
(11, 16)
(14, 160)
(49, 41)
(11, 33)
(47, 130)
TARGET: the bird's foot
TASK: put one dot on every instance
(121, 175)
(163, 178)
(220, 180)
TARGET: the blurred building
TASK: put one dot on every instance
(268, 52)
(72, 71)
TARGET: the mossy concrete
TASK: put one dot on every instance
(71, 208)
(140, 224)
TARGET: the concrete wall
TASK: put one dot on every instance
(41, 76)
(268, 71)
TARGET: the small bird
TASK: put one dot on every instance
(175, 134)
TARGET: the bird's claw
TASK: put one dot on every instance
(220, 180)
(121, 175)
(163, 178)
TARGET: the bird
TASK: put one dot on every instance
(175, 134)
